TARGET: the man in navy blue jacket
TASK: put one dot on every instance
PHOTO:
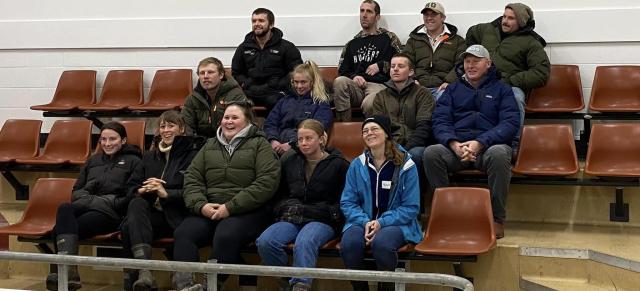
(474, 123)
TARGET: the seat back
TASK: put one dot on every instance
(122, 88)
(69, 140)
(75, 88)
(171, 86)
(347, 137)
(547, 150)
(616, 89)
(614, 150)
(135, 134)
(329, 74)
(461, 212)
(45, 197)
(19, 139)
(562, 93)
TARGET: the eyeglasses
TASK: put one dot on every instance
(371, 129)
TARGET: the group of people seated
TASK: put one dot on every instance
(215, 178)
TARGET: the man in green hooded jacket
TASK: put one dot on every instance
(516, 50)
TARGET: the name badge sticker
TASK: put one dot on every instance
(386, 185)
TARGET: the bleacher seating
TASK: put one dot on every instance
(562, 93)
(39, 216)
(75, 88)
(168, 90)
(547, 150)
(614, 150)
(122, 88)
(347, 137)
(20, 139)
(461, 223)
(69, 141)
(616, 89)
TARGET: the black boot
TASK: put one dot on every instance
(128, 277)
(145, 280)
(67, 243)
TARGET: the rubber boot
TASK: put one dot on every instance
(145, 280)
(183, 281)
(67, 243)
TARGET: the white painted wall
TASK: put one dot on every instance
(40, 39)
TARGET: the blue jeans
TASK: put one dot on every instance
(384, 246)
(435, 93)
(520, 100)
(307, 238)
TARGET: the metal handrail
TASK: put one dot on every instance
(212, 269)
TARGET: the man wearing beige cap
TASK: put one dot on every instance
(517, 50)
(474, 123)
(435, 48)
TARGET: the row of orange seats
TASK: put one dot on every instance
(615, 89)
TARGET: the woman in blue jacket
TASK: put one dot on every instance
(380, 202)
(307, 101)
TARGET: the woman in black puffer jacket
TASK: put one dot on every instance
(99, 198)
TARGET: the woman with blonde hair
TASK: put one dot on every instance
(308, 212)
(308, 100)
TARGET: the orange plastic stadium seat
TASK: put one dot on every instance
(135, 133)
(122, 88)
(614, 150)
(347, 137)
(547, 150)
(616, 89)
(168, 90)
(20, 139)
(39, 217)
(329, 74)
(69, 141)
(562, 93)
(461, 223)
(75, 88)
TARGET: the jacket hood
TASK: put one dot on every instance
(492, 74)
(527, 29)
(408, 86)
(226, 84)
(276, 36)
(452, 28)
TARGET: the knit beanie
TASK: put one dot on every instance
(383, 121)
(522, 11)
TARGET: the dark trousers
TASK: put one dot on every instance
(383, 247)
(227, 236)
(70, 219)
(143, 224)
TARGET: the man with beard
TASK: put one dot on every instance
(435, 48)
(364, 64)
(203, 109)
(261, 64)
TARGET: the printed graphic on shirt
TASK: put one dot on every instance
(366, 54)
